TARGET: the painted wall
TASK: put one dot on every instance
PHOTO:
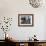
(11, 8)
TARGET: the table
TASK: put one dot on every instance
(27, 42)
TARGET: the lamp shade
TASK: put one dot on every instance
(36, 3)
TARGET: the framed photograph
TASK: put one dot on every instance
(25, 19)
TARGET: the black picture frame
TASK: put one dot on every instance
(26, 20)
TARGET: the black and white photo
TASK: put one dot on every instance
(25, 19)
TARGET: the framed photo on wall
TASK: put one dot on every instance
(25, 19)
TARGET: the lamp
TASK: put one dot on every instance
(36, 3)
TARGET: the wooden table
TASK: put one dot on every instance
(27, 42)
(30, 43)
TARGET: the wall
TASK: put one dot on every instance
(11, 8)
